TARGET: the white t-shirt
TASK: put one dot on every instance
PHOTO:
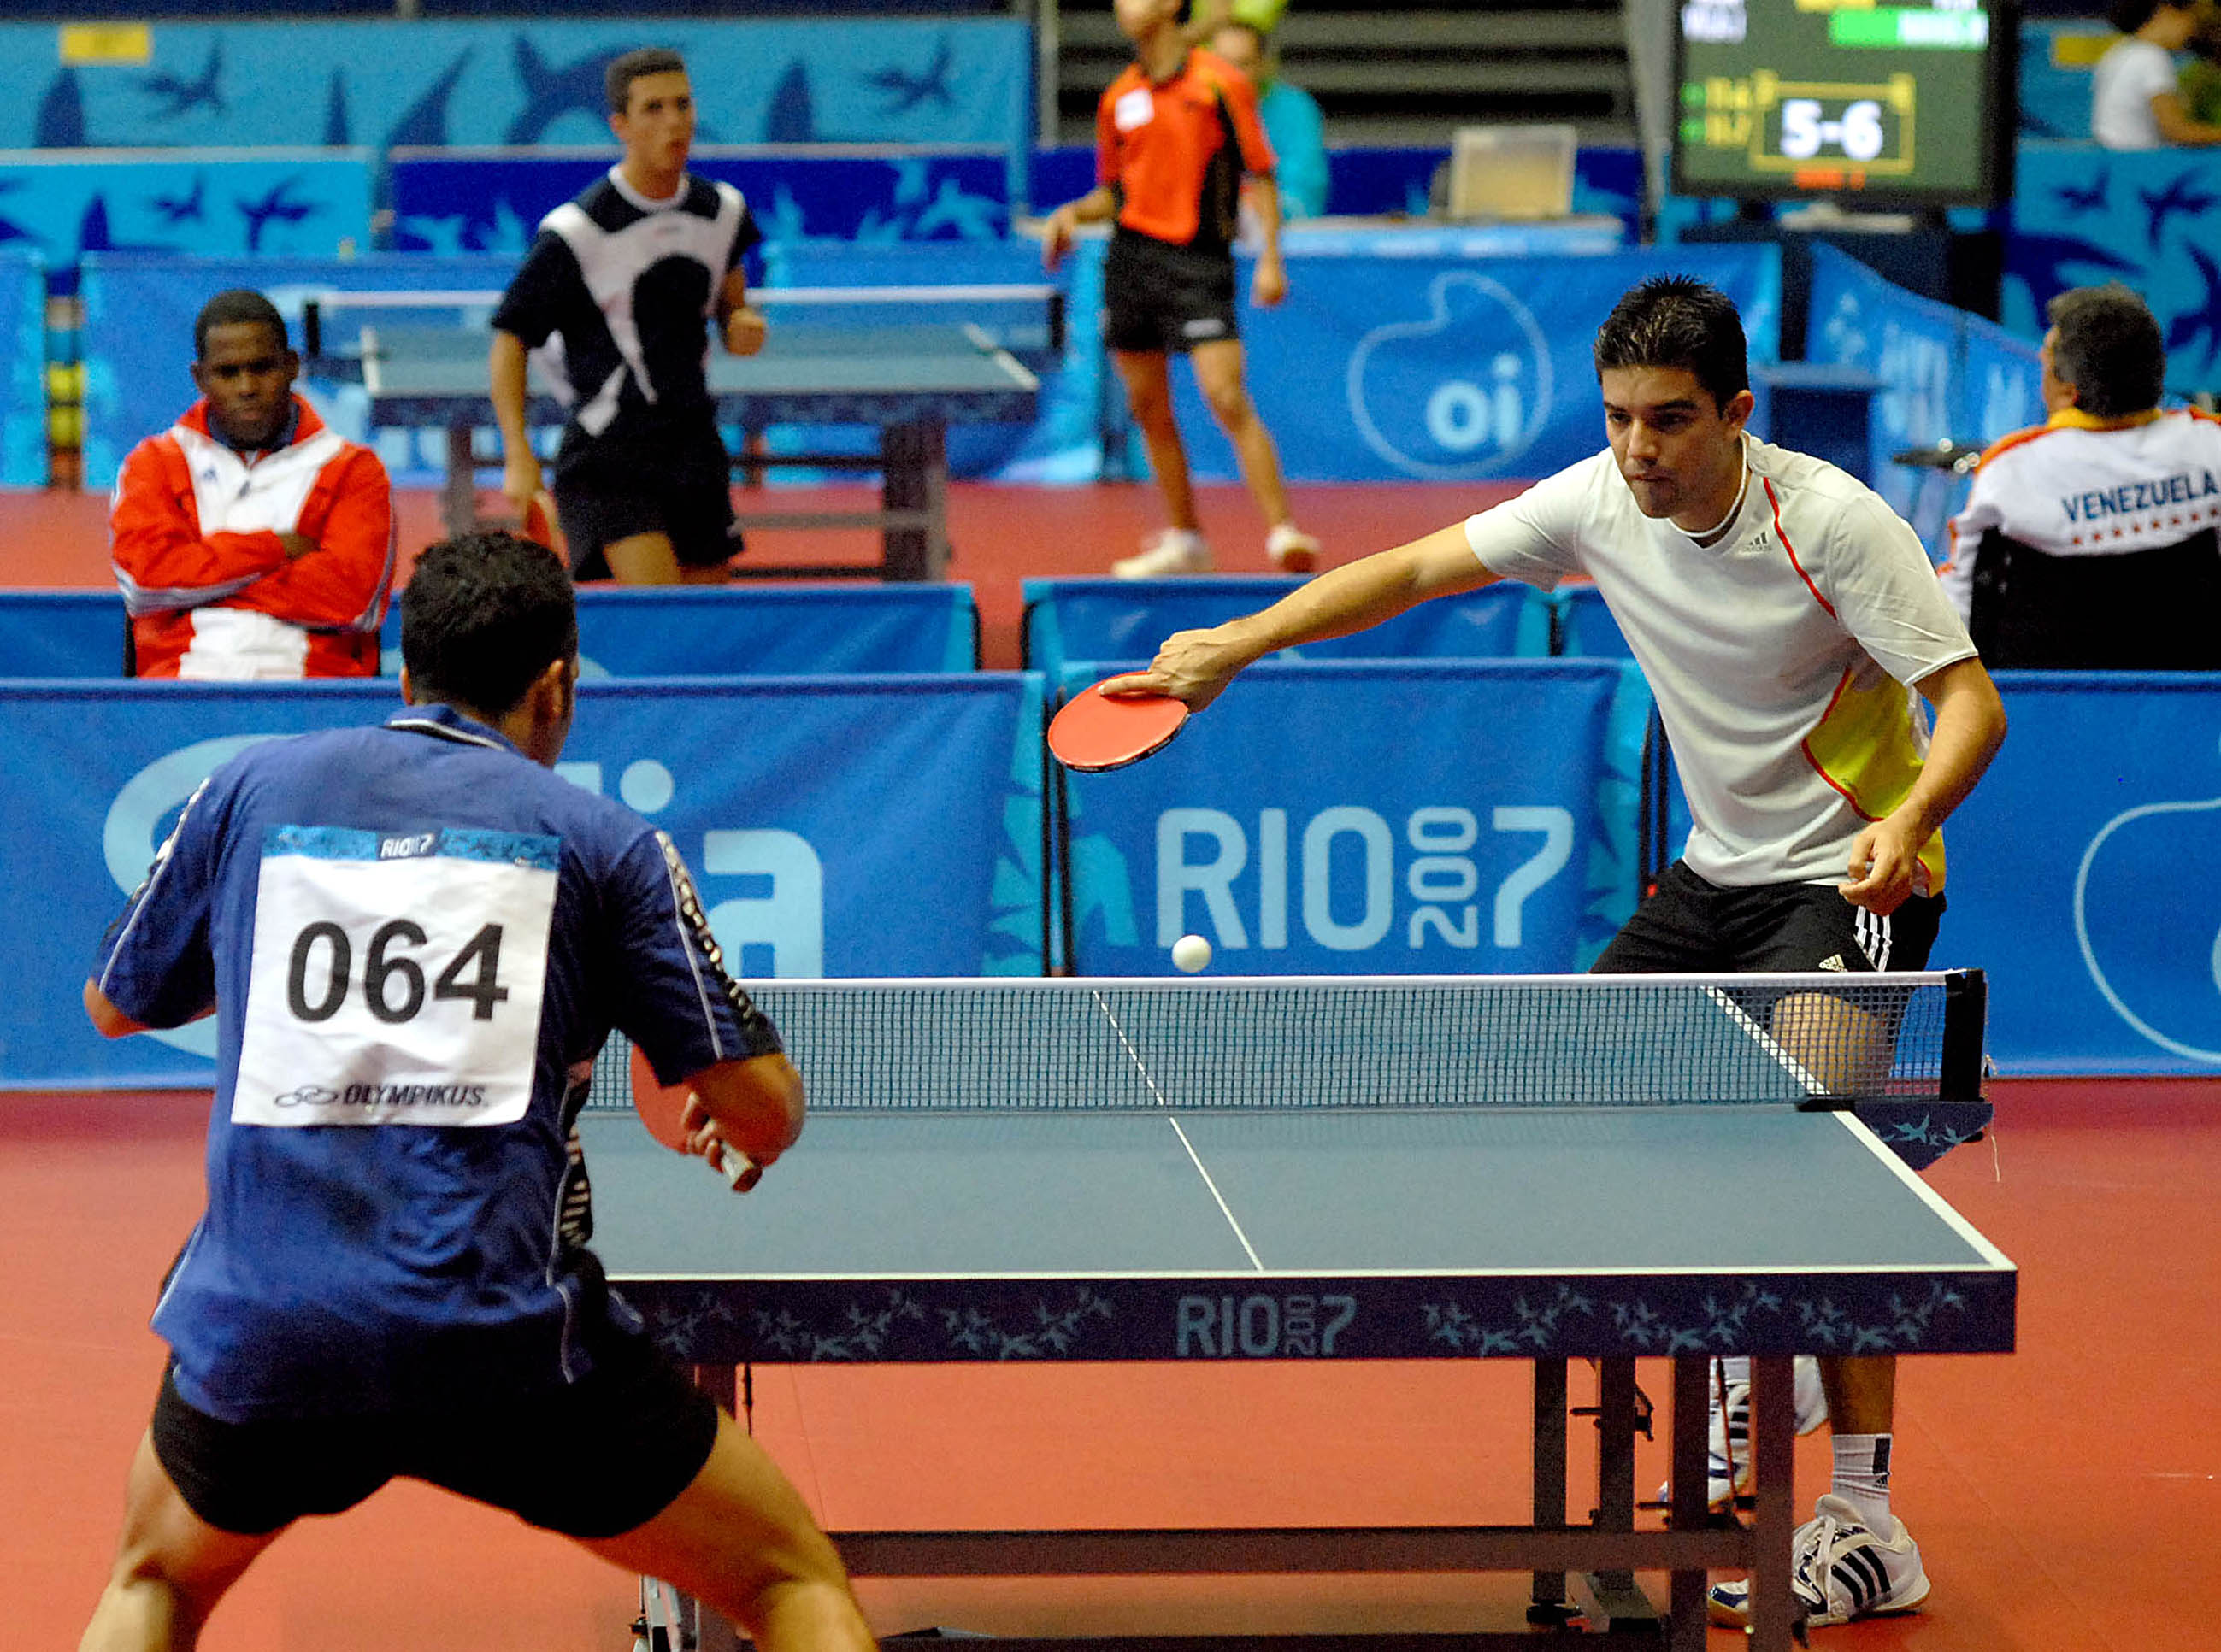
(2076, 489)
(2131, 74)
(1778, 656)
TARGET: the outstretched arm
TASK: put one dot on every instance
(1196, 665)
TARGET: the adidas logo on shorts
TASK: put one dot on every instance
(1835, 963)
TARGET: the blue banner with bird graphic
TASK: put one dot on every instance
(492, 200)
(391, 84)
(2082, 214)
(208, 203)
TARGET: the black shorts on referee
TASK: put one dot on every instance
(1160, 297)
(591, 1459)
(1691, 926)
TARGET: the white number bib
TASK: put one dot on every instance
(396, 978)
(1133, 109)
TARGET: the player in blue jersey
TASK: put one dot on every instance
(414, 938)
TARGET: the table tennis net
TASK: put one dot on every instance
(1057, 1044)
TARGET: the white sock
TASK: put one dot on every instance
(1735, 1369)
(1862, 1479)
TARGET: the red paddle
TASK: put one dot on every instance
(1096, 731)
(662, 1108)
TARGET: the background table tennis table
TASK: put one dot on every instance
(909, 382)
(1331, 1221)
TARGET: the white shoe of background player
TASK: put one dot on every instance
(1169, 550)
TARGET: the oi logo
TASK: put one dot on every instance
(1487, 364)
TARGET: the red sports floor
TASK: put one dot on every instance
(2067, 1497)
(1002, 535)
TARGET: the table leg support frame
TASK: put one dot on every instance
(1599, 1558)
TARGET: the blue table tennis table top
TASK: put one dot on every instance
(436, 376)
(1307, 1232)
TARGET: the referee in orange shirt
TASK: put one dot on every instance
(1174, 135)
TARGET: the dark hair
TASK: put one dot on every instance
(2108, 348)
(229, 310)
(617, 78)
(484, 614)
(2130, 16)
(1677, 321)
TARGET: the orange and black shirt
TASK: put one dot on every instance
(1175, 150)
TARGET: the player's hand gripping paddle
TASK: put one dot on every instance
(1098, 730)
(663, 1109)
(539, 523)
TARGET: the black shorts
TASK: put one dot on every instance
(590, 1459)
(696, 512)
(1158, 298)
(1699, 928)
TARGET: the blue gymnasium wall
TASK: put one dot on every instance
(2082, 874)
(1944, 373)
(2055, 58)
(838, 826)
(23, 368)
(1451, 369)
(386, 84)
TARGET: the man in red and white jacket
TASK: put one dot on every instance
(249, 540)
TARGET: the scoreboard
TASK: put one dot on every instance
(1905, 105)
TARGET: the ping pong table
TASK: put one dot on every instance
(1542, 1169)
(909, 381)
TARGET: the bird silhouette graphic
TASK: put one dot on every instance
(277, 207)
(184, 208)
(181, 95)
(905, 92)
(2189, 325)
(552, 93)
(2182, 196)
(2042, 261)
(2091, 199)
(424, 122)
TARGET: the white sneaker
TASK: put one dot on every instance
(1730, 1435)
(1293, 550)
(1839, 1570)
(1169, 551)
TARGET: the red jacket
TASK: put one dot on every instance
(194, 541)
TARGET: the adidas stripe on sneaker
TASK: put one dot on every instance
(1839, 1570)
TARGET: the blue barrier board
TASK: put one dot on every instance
(1290, 828)
(838, 826)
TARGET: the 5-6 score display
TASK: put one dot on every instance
(1893, 105)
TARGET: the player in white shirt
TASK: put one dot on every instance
(1778, 610)
(2135, 99)
(2090, 542)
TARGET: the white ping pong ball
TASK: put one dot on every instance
(1191, 953)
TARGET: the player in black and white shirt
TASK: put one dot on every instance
(614, 301)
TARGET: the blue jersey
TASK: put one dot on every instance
(415, 938)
